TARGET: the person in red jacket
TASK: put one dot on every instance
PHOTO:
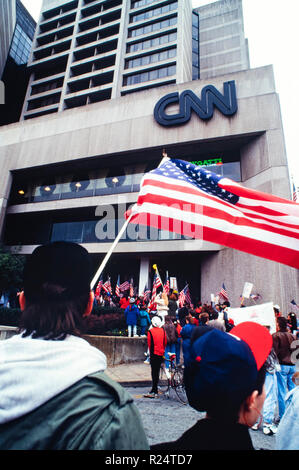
(156, 340)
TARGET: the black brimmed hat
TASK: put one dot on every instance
(57, 271)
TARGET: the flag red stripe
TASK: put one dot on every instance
(198, 192)
(213, 212)
(266, 250)
(249, 193)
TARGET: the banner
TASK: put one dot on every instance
(262, 314)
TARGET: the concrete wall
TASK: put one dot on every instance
(118, 349)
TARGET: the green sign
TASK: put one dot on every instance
(209, 162)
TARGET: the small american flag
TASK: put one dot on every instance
(107, 286)
(187, 199)
(223, 292)
(156, 284)
(294, 305)
(99, 288)
(295, 193)
(124, 286)
(166, 287)
(184, 296)
(117, 287)
(146, 293)
(131, 288)
(255, 296)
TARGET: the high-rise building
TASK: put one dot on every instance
(89, 132)
(223, 46)
(17, 29)
(89, 51)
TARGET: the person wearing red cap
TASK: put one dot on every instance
(225, 378)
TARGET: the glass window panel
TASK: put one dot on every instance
(171, 70)
(162, 72)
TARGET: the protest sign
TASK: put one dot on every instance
(247, 290)
(262, 314)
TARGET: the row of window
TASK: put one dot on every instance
(20, 46)
(25, 20)
(141, 3)
(93, 231)
(151, 58)
(153, 27)
(139, 46)
(150, 75)
(155, 12)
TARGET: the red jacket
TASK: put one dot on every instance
(156, 340)
(124, 303)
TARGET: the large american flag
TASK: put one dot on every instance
(184, 296)
(183, 198)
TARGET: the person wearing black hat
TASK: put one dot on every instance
(225, 378)
(54, 391)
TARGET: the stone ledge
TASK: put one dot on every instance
(118, 349)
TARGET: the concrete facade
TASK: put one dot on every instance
(123, 128)
(223, 46)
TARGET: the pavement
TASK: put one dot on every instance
(134, 374)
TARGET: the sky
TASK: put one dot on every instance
(271, 29)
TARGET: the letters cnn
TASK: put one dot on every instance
(211, 98)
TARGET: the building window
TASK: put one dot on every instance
(20, 46)
(150, 75)
(154, 12)
(195, 47)
(150, 59)
(142, 3)
(153, 27)
(139, 46)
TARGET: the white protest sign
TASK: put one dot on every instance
(212, 298)
(247, 290)
(262, 314)
(173, 283)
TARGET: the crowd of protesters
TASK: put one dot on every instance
(53, 381)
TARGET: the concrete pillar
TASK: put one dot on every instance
(143, 274)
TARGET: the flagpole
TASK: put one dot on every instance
(104, 262)
(109, 253)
